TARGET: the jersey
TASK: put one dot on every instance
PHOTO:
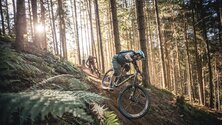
(121, 56)
(91, 60)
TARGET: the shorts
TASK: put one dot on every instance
(116, 66)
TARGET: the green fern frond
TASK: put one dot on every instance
(106, 117)
(32, 58)
(28, 69)
(37, 62)
(64, 82)
(88, 97)
(14, 61)
(43, 102)
(77, 84)
(63, 67)
(6, 52)
(111, 118)
(7, 69)
(99, 111)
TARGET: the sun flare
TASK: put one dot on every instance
(39, 27)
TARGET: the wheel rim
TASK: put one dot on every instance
(133, 106)
(107, 78)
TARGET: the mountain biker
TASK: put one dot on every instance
(90, 62)
(122, 59)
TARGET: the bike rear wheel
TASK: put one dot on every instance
(107, 78)
(133, 102)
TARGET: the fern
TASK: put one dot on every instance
(13, 65)
(64, 66)
(111, 118)
(61, 94)
(7, 72)
(37, 62)
(76, 84)
(43, 102)
(64, 82)
(106, 117)
(32, 58)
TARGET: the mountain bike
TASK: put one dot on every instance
(93, 70)
(133, 100)
(97, 72)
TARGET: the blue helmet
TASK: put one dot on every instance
(140, 52)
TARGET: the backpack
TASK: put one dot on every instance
(126, 51)
(120, 59)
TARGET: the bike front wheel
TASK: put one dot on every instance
(133, 102)
(97, 73)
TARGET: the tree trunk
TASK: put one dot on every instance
(115, 25)
(204, 89)
(150, 52)
(174, 84)
(51, 26)
(218, 92)
(14, 8)
(20, 25)
(219, 12)
(77, 33)
(142, 37)
(56, 47)
(198, 61)
(167, 63)
(220, 8)
(152, 65)
(2, 18)
(100, 35)
(62, 29)
(7, 17)
(86, 20)
(161, 46)
(30, 20)
(189, 80)
(209, 70)
(43, 33)
(81, 32)
(91, 29)
(179, 81)
(35, 22)
(204, 33)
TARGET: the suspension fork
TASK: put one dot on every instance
(133, 86)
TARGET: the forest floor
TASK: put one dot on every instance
(165, 110)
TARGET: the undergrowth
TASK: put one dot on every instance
(38, 87)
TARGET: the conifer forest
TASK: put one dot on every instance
(46, 77)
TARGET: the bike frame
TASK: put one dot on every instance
(134, 76)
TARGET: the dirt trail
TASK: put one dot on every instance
(163, 109)
(156, 115)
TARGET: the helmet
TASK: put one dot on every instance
(140, 52)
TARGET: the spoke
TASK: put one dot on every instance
(132, 104)
(128, 105)
(138, 99)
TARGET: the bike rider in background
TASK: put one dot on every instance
(122, 59)
(90, 62)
